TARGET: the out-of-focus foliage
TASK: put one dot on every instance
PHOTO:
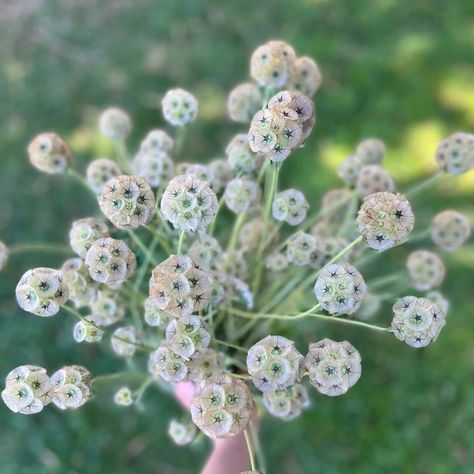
(402, 71)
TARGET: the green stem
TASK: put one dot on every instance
(38, 247)
(180, 241)
(381, 282)
(220, 205)
(232, 346)
(250, 450)
(240, 376)
(123, 157)
(179, 141)
(142, 247)
(417, 188)
(161, 239)
(79, 178)
(236, 231)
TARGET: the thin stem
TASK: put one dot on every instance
(82, 318)
(123, 156)
(161, 239)
(142, 247)
(258, 447)
(220, 205)
(232, 346)
(38, 247)
(78, 177)
(240, 376)
(118, 375)
(250, 450)
(414, 190)
(180, 241)
(236, 231)
(381, 282)
(179, 141)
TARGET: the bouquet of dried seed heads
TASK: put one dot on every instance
(155, 272)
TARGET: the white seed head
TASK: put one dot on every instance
(179, 107)
(100, 171)
(153, 315)
(49, 153)
(426, 270)
(84, 233)
(373, 179)
(305, 76)
(300, 248)
(182, 434)
(87, 332)
(290, 206)
(243, 102)
(187, 335)
(450, 230)
(168, 365)
(276, 262)
(242, 160)
(241, 195)
(123, 397)
(71, 387)
(369, 307)
(82, 289)
(124, 340)
(107, 308)
(439, 300)
(455, 154)
(157, 141)
(349, 169)
(115, 124)
(371, 151)
(222, 172)
(204, 364)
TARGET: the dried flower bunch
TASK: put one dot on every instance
(169, 277)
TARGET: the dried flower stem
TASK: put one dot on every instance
(250, 450)
(180, 241)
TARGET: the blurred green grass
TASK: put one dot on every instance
(402, 71)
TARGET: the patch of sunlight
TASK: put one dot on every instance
(411, 48)
(212, 102)
(91, 143)
(456, 92)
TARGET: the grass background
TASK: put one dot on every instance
(399, 70)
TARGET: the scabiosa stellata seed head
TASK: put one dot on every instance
(450, 229)
(334, 367)
(439, 300)
(300, 247)
(335, 202)
(27, 390)
(340, 288)
(276, 262)
(349, 169)
(373, 179)
(187, 335)
(241, 195)
(115, 124)
(202, 173)
(287, 404)
(385, 220)
(42, 291)
(123, 397)
(179, 107)
(204, 364)
(426, 270)
(49, 153)
(243, 102)
(124, 340)
(182, 434)
(290, 206)
(417, 321)
(305, 76)
(153, 315)
(371, 151)
(84, 233)
(84, 331)
(110, 261)
(157, 141)
(155, 166)
(127, 201)
(107, 307)
(271, 64)
(189, 203)
(242, 160)
(82, 289)
(3, 255)
(326, 249)
(274, 363)
(71, 387)
(251, 233)
(222, 172)
(100, 171)
(168, 365)
(222, 406)
(455, 154)
(205, 251)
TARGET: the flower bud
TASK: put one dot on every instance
(450, 230)
(100, 171)
(115, 124)
(243, 102)
(84, 233)
(49, 153)
(179, 107)
(426, 270)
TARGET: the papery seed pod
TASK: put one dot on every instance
(340, 288)
(450, 229)
(123, 396)
(287, 404)
(455, 154)
(234, 264)
(42, 291)
(222, 172)
(385, 220)
(182, 434)
(222, 406)
(124, 340)
(84, 233)
(49, 153)
(107, 308)
(127, 201)
(202, 173)
(373, 179)
(153, 315)
(241, 195)
(157, 141)
(326, 249)
(290, 206)
(370, 306)
(274, 363)
(100, 171)
(168, 365)
(426, 270)
(187, 335)
(334, 367)
(3, 255)
(335, 203)
(155, 166)
(71, 387)
(242, 160)
(439, 300)
(86, 332)
(205, 251)
(417, 321)
(27, 390)
(182, 168)
(205, 364)
(349, 169)
(305, 76)
(82, 289)
(189, 203)
(115, 124)
(271, 64)
(179, 107)
(243, 102)
(300, 247)
(110, 261)
(276, 262)
(371, 151)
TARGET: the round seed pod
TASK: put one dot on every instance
(205, 364)
(71, 387)
(222, 406)
(155, 166)
(455, 154)
(385, 220)
(168, 365)
(271, 64)
(127, 201)
(84, 233)
(203, 173)
(241, 195)
(290, 206)
(371, 151)
(115, 124)
(110, 261)
(49, 153)
(242, 160)
(349, 169)
(305, 76)
(42, 291)
(334, 367)
(100, 171)
(326, 249)
(123, 397)
(300, 247)
(157, 141)
(82, 289)
(27, 390)
(426, 270)
(124, 340)
(340, 288)
(86, 332)
(179, 107)
(243, 102)
(3, 255)
(274, 363)
(335, 202)
(287, 404)
(189, 203)
(450, 230)
(417, 321)
(153, 315)
(187, 335)
(182, 434)
(276, 262)
(107, 308)
(222, 172)
(439, 300)
(205, 252)
(373, 179)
